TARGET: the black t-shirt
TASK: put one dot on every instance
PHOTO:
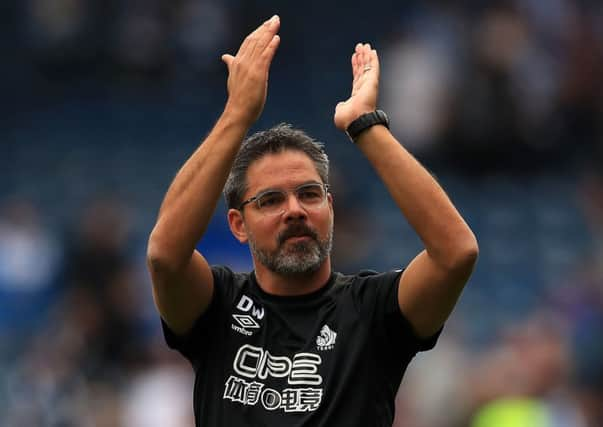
(334, 357)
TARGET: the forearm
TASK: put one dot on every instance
(195, 191)
(423, 202)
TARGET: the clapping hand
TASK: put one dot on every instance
(248, 71)
(365, 87)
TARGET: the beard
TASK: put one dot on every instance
(296, 258)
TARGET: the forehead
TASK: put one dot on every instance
(281, 170)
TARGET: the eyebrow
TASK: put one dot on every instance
(280, 189)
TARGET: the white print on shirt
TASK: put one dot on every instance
(254, 362)
(246, 304)
(246, 321)
(326, 339)
(289, 400)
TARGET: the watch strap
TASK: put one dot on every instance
(365, 121)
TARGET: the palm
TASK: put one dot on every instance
(365, 87)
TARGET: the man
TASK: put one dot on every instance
(294, 343)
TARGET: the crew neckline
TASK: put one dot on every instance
(293, 298)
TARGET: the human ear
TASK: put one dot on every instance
(237, 225)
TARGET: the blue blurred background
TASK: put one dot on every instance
(105, 99)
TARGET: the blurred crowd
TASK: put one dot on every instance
(502, 84)
(512, 86)
(502, 98)
(114, 39)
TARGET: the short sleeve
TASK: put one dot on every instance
(393, 330)
(193, 344)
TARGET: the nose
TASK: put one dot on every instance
(293, 207)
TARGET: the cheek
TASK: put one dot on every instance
(324, 223)
(264, 231)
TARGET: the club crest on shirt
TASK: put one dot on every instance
(326, 339)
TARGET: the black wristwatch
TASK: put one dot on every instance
(365, 121)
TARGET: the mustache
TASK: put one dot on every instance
(296, 230)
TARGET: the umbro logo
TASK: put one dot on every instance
(247, 321)
(326, 339)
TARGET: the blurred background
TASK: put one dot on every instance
(105, 99)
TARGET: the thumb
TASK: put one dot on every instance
(227, 60)
(340, 104)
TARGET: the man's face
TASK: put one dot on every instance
(298, 240)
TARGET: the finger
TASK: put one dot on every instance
(244, 45)
(227, 60)
(270, 51)
(266, 34)
(366, 54)
(358, 61)
(374, 61)
(251, 39)
(262, 36)
(369, 60)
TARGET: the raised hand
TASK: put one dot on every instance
(365, 87)
(248, 71)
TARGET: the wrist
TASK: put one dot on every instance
(372, 137)
(366, 121)
(234, 120)
(237, 114)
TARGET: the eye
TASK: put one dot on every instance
(310, 193)
(271, 199)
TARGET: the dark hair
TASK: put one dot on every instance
(275, 140)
